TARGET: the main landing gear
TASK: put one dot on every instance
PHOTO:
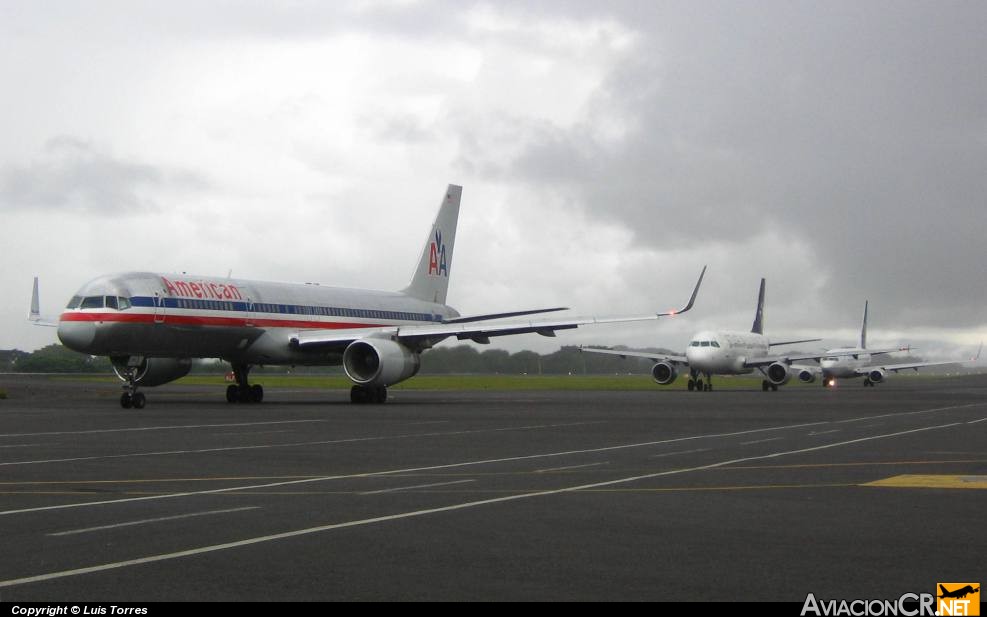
(767, 385)
(696, 384)
(242, 391)
(362, 395)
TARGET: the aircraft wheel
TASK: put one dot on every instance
(359, 395)
(709, 387)
(232, 393)
(256, 393)
(699, 385)
(691, 385)
(138, 400)
(126, 401)
(774, 387)
(867, 382)
(765, 385)
(380, 396)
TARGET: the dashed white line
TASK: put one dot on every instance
(416, 513)
(835, 430)
(411, 488)
(146, 521)
(747, 443)
(567, 467)
(28, 445)
(679, 452)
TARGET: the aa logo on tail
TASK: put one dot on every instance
(437, 256)
(958, 599)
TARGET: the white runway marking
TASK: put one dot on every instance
(680, 452)
(571, 467)
(290, 445)
(150, 520)
(835, 430)
(390, 472)
(28, 445)
(157, 428)
(411, 488)
(417, 513)
(747, 443)
(976, 421)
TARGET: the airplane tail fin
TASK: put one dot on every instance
(430, 281)
(863, 329)
(943, 589)
(758, 327)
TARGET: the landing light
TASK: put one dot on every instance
(832, 383)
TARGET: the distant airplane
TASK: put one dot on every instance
(152, 325)
(962, 592)
(724, 353)
(852, 362)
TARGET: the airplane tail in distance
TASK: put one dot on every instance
(863, 329)
(431, 279)
(758, 327)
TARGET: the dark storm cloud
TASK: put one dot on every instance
(73, 175)
(858, 128)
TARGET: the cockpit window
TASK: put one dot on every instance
(111, 302)
(704, 344)
(714, 344)
(90, 302)
(694, 344)
(123, 303)
(74, 302)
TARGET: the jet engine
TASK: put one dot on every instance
(877, 375)
(377, 362)
(664, 373)
(154, 371)
(805, 375)
(779, 373)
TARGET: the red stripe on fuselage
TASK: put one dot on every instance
(199, 320)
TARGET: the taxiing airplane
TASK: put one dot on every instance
(852, 362)
(724, 353)
(152, 325)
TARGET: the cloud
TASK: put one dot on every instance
(74, 176)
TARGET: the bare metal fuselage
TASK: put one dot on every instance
(250, 322)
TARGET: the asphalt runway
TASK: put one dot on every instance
(650, 495)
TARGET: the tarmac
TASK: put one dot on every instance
(734, 494)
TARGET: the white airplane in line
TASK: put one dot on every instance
(152, 325)
(724, 353)
(852, 362)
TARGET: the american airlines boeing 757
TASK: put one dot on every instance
(152, 325)
(724, 353)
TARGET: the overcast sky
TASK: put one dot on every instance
(607, 151)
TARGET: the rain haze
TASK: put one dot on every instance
(607, 151)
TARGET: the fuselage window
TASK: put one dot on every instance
(91, 302)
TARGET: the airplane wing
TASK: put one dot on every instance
(789, 359)
(902, 367)
(426, 335)
(654, 357)
(807, 340)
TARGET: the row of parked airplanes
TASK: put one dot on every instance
(152, 325)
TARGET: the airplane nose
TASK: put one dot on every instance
(77, 335)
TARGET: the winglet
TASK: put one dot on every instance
(35, 315)
(692, 300)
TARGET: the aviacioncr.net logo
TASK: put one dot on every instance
(908, 605)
